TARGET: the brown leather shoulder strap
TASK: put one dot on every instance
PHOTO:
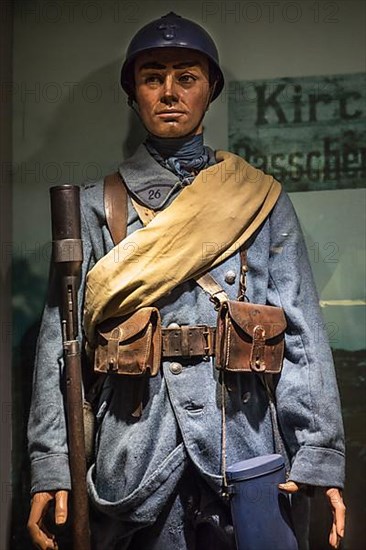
(115, 206)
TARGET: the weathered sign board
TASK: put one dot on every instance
(308, 132)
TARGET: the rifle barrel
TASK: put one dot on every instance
(67, 254)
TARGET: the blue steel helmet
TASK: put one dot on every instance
(171, 31)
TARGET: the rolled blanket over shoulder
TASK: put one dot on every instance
(208, 221)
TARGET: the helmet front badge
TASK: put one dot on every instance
(168, 31)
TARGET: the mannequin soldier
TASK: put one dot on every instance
(156, 478)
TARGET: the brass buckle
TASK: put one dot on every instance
(214, 298)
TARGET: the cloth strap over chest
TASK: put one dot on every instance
(209, 221)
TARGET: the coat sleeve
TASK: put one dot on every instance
(47, 436)
(308, 404)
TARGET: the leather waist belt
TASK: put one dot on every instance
(188, 341)
(249, 337)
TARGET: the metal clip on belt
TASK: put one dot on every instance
(188, 341)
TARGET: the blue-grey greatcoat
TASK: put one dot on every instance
(139, 462)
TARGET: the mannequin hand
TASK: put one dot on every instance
(41, 538)
(335, 499)
(339, 515)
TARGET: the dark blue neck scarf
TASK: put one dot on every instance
(184, 156)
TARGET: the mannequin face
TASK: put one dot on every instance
(172, 91)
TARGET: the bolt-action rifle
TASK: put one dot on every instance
(67, 254)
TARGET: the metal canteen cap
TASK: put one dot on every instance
(171, 31)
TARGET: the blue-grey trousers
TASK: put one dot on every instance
(194, 518)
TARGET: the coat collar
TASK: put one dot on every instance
(147, 181)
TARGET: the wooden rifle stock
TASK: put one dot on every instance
(67, 256)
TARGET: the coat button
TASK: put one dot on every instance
(246, 397)
(175, 368)
(230, 277)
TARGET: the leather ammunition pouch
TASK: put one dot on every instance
(250, 337)
(130, 345)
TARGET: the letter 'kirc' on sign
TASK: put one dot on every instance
(295, 114)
